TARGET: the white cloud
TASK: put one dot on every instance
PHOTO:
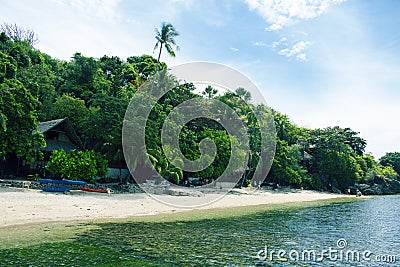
(278, 43)
(259, 43)
(104, 9)
(279, 13)
(283, 42)
(288, 49)
(297, 51)
(234, 49)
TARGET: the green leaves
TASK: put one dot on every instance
(286, 168)
(8, 67)
(337, 139)
(19, 119)
(94, 93)
(391, 159)
(72, 108)
(77, 165)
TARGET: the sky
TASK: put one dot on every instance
(321, 62)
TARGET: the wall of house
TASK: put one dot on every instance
(63, 137)
(114, 173)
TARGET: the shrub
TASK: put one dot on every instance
(82, 165)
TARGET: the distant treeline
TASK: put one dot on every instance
(95, 92)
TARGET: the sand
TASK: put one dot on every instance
(26, 206)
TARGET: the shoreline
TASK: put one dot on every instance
(27, 206)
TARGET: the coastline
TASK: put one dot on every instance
(25, 206)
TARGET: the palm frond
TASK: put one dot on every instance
(156, 46)
(166, 36)
(170, 50)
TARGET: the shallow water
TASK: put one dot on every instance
(231, 237)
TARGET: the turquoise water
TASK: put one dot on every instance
(368, 228)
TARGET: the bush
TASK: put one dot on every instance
(379, 171)
(312, 182)
(82, 165)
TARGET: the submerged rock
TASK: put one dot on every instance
(184, 192)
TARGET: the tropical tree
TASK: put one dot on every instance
(73, 108)
(166, 38)
(286, 168)
(336, 156)
(209, 92)
(18, 115)
(391, 159)
(243, 94)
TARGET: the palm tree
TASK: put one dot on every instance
(166, 38)
(243, 93)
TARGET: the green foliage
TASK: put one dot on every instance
(73, 108)
(337, 139)
(8, 67)
(286, 168)
(145, 66)
(380, 171)
(209, 92)
(335, 156)
(19, 119)
(77, 165)
(243, 94)
(391, 159)
(387, 172)
(40, 80)
(18, 106)
(168, 170)
(339, 168)
(313, 181)
(94, 93)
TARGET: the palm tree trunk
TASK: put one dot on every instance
(159, 54)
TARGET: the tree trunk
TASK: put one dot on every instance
(159, 54)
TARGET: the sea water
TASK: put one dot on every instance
(327, 233)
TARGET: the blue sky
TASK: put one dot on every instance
(322, 62)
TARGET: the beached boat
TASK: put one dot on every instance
(67, 182)
(94, 190)
(56, 189)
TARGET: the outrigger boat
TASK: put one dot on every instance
(68, 182)
(56, 189)
(87, 189)
(60, 182)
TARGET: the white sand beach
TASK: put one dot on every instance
(26, 206)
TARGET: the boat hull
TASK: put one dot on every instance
(56, 189)
(67, 182)
(94, 190)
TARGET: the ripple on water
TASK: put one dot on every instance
(233, 241)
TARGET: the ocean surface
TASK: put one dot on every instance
(339, 233)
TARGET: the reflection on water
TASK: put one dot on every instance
(370, 225)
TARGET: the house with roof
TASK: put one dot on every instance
(58, 134)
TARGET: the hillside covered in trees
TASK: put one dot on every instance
(95, 92)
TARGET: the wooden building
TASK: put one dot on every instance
(58, 134)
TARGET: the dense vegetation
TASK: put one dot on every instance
(95, 92)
